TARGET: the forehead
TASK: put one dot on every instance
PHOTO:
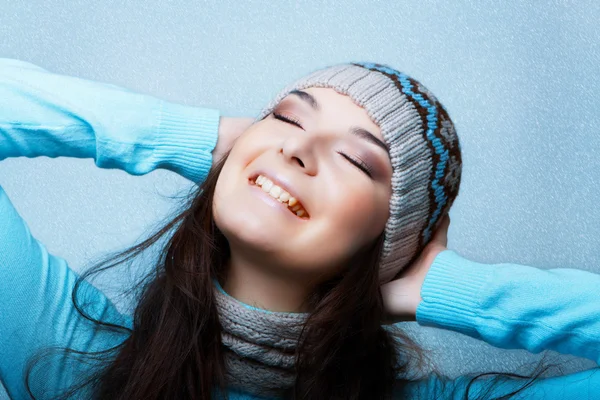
(331, 104)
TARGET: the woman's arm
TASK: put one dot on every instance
(36, 311)
(514, 306)
(583, 385)
(507, 305)
(47, 114)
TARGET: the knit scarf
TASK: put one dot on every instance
(259, 345)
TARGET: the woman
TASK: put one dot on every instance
(231, 305)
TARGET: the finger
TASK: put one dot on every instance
(441, 234)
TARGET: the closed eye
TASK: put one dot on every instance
(360, 164)
(289, 120)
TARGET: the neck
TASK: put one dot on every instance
(260, 287)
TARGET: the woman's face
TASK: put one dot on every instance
(331, 158)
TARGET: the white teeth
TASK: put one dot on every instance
(266, 187)
(285, 196)
(280, 195)
(275, 191)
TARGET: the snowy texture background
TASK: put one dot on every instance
(520, 80)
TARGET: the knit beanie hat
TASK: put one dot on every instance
(423, 147)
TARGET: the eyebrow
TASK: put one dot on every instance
(355, 130)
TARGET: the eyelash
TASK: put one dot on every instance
(360, 164)
(289, 120)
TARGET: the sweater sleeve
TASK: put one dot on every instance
(36, 313)
(47, 114)
(514, 306)
(584, 385)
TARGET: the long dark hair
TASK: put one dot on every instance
(174, 349)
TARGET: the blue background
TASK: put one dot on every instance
(520, 80)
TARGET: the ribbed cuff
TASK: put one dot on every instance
(451, 293)
(185, 139)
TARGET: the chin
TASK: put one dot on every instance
(247, 231)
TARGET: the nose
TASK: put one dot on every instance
(300, 151)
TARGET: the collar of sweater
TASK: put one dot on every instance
(259, 345)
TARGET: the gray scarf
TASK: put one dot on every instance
(259, 345)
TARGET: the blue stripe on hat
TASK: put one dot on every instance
(432, 120)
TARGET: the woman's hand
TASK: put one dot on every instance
(402, 296)
(230, 128)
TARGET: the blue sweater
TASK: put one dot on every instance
(45, 114)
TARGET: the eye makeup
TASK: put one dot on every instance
(363, 160)
(290, 120)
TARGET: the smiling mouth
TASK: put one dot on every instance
(279, 194)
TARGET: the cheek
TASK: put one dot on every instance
(232, 213)
(250, 145)
(227, 200)
(360, 216)
(351, 222)
(219, 202)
